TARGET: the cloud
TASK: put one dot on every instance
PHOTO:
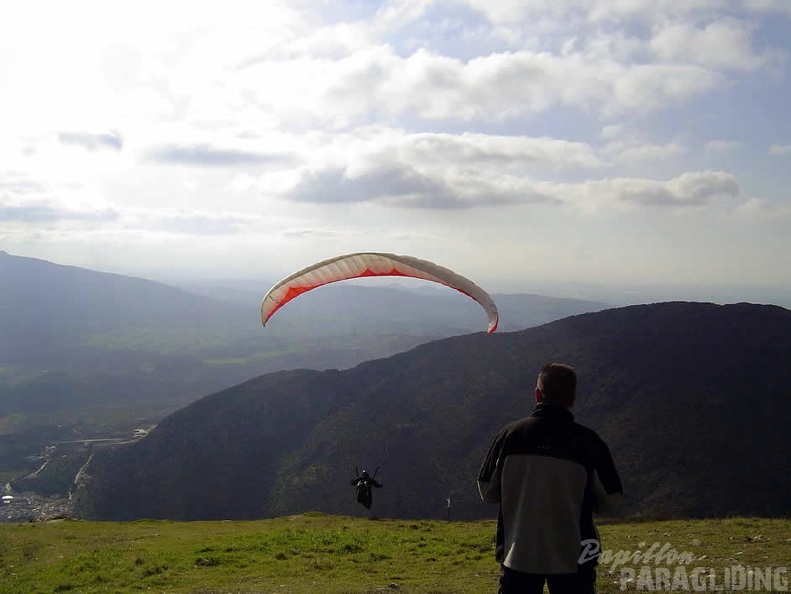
(635, 151)
(615, 27)
(722, 146)
(624, 146)
(471, 188)
(335, 185)
(332, 119)
(723, 44)
(469, 149)
(424, 170)
(404, 186)
(612, 131)
(602, 12)
(43, 212)
(378, 163)
(30, 197)
(699, 188)
(501, 86)
(306, 232)
(763, 209)
(194, 222)
(91, 141)
(375, 146)
(13, 184)
(24, 200)
(691, 189)
(204, 155)
(444, 171)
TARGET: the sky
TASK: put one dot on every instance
(519, 142)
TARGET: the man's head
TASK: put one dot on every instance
(557, 385)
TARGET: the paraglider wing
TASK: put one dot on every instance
(366, 264)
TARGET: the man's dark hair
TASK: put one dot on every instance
(558, 384)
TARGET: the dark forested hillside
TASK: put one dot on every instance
(694, 398)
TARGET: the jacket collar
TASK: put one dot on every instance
(552, 411)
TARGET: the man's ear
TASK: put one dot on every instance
(539, 395)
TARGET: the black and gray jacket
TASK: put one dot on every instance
(549, 475)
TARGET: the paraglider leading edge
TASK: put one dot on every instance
(368, 264)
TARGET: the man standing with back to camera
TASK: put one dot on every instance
(549, 475)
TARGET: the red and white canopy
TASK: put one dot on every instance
(364, 264)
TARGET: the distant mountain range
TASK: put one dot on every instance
(91, 354)
(64, 317)
(693, 398)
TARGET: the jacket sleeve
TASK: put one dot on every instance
(489, 474)
(607, 488)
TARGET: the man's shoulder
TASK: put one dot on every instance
(518, 423)
(589, 435)
(584, 431)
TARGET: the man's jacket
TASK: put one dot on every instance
(549, 474)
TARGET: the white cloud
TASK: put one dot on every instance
(699, 188)
(158, 122)
(92, 141)
(23, 200)
(394, 183)
(692, 189)
(501, 86)
(722, 44)
(481, 150)
(397, 13)
(405, 186)
(608, 11)
(423, 170)
(204, 155)
(636, 151)
(625, 147)
(278, 68)
(612, 131)
(763, 209)
(722, 146)
(23, 203)
(384, 163)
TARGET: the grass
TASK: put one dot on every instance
(320, 554)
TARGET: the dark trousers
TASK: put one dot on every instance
(517, 582)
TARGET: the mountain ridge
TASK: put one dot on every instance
(664, 384)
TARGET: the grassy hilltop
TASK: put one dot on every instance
(320, 554)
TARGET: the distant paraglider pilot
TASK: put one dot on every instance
(364, 482)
